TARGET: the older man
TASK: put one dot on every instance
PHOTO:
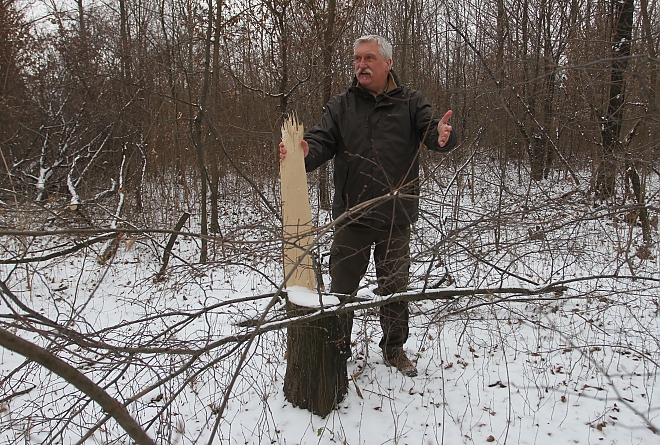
(374, 132)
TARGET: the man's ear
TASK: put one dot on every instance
(389, 64)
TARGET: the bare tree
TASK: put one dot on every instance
(622, 25)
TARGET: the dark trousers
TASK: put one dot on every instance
(349, 259)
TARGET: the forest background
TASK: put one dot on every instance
(119, 120)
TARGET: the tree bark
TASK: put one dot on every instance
(328, 40)
(170, 245)
(198, 139)
(316, 376)
(642, 213)
(611, 128)
(215, 99)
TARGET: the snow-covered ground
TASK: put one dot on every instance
(577, 366)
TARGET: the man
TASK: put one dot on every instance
(374, 132)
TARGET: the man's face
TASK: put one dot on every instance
(370, 67)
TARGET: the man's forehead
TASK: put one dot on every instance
(367, 47)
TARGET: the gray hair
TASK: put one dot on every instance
(385, 46)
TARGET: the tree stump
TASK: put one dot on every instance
(316, 375)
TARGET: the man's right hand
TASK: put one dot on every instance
(444, 129)
(303, 144)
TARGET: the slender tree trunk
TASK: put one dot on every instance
(179, 167)
(402, 64)
(611, 128)
(653, 133)
(649, 32)
(281, 20)
(215, 173)
(324, 175)
(124, 45)
(642, 213)
(170, 244)
(541, 157)
(534, 93)
(81, 20)
(198, 139)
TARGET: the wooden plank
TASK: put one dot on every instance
(296, 211)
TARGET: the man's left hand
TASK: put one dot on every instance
(444, 129)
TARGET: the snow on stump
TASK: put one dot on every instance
(316, 376)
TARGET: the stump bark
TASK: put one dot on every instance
(316, 377)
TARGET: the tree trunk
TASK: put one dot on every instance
(611, 129)
(328, 40)
(215, 99)
(199, 140)
(316, 377)
(170, 244)
(324, 188)
(642, 213)
(316, 369)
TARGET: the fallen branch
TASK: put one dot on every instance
(170, 245)
(76, 247)
(109, 404)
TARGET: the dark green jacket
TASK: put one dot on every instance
(375, 143)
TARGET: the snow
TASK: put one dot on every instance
(302, 296)
(575, 367)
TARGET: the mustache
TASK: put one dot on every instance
(363, 71)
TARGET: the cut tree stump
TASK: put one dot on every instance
(316, 376)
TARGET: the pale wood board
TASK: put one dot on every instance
(296, 211)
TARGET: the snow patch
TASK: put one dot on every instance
(301, 296)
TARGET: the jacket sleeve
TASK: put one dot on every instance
(427, 126)
(323, 138)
